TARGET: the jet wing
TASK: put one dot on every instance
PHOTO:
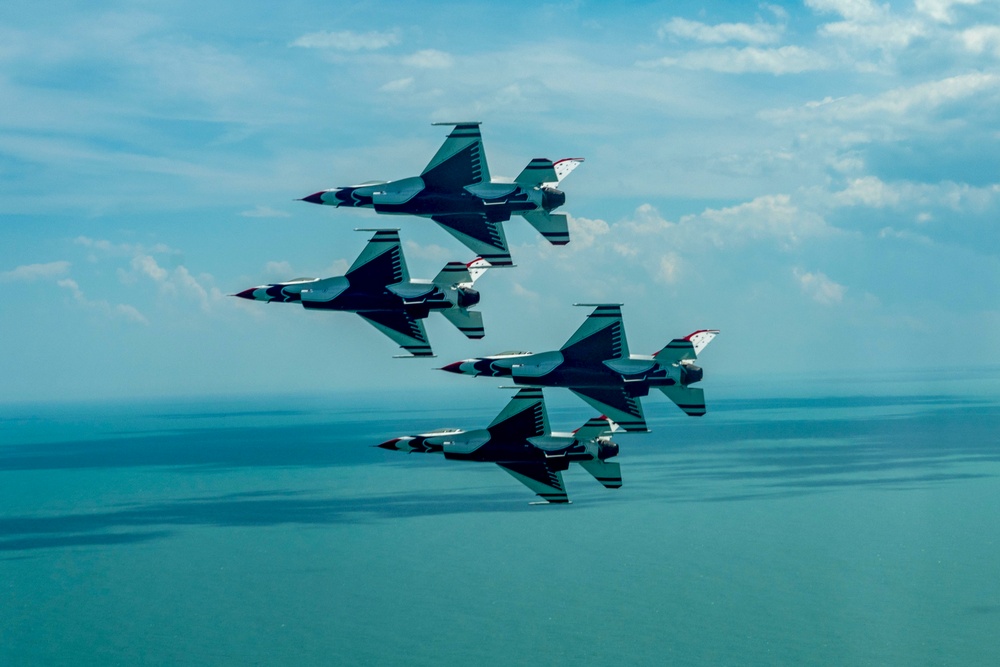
(460, 161)
(484, 237)
(406, 331)
(624, 410)
(540, 477)
(381, 263)
(599, 338)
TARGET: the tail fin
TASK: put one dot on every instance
(553, 226)
(608, 473)
(689, 399)
(687, 348)
(595, 428)
(469, 322)
(542, 172)
(461, 274)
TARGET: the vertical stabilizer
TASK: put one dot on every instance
(687, 348)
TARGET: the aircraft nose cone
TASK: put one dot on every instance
(389, 444)
(246, 294)
(455, 367)
(315, 198)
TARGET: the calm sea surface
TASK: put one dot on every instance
(824, 521)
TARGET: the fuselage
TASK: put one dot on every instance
(479, 445)
(416, 297)
(410, 196)
(636, 374)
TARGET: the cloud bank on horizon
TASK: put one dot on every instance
(820, 180)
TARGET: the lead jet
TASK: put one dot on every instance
(595, 364)
(379, 289)
(455, 191)
(520, 442)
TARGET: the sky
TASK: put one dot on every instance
(817, 179)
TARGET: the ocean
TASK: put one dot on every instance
(836, 520)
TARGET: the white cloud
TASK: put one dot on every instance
(982, 38)
(429, 59)
(670, 268)
(265, 212)
(894, 33)
(397, 85)
(730, 60)
(130, 313)
(346, 40)
(585, 231)
(758, 33)
(772, 217)
(146, 265)
(868, 191)
(818, 287)
(33, 272)
(855, 10)
(121, 249)
(873, 192)
(178, 282)
(940, 10)
(903, 102)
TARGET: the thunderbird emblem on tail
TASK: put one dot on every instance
(520, 442)
(455, 191)
(378, 288)
(595, 364)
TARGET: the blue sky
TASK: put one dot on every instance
(819, 180)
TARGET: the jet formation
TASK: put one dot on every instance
(455, 190)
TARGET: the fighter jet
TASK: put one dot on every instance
(595, 364)
(519, 441)
(378, 288)
(455, 191)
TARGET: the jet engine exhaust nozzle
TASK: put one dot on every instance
(552, 198)
(691, 374)
(607, 450)
(467, 297)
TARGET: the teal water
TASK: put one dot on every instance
(827, 523)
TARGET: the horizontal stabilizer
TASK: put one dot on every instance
(537, 172)
(553, 226)
(469, 322)
(461, 273)
(608, 473)
(687, 348)
(689, 399)
(453, 273)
